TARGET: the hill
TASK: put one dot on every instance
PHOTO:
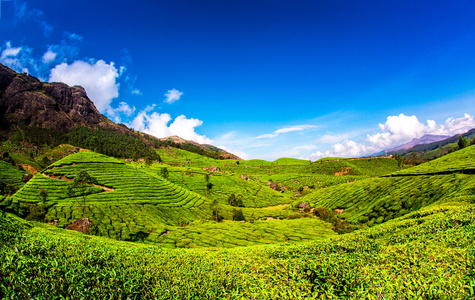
(432, 150)
(425, 139)
(411, 225)
(337, 228)
(37, 116)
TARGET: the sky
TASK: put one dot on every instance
(262, 79)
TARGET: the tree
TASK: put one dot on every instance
(238, 215)
(462, 143)
(235, 200)
(216, 211)
(164, 172)
(399, 159)
(209, 185)
(148, 163)
(81, 187)
(43, 196)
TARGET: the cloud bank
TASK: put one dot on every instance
(396, 131)
(156, 124)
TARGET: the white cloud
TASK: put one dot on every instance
(156, 124)
(49, 56)
(173, 96)
(285, 130)
(99, 80)
(136, 92)
(460, 125)
(17, 58)
(315, 156)
(396, 131)
(123, 109)
(10, 51)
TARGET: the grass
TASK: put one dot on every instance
(456, 162)
(10, 175)
(427, 254)
(376, 200)
(416, 237)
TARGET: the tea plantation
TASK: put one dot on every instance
(192, 227)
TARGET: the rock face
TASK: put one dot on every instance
(26, 100)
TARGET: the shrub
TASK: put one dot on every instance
(238, 215)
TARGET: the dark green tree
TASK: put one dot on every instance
(81, 187)
(235, 200)
(399, 159)
(148, 163)
(209, 186)
(43, 196)
(238, 215)
(462, 143)
(216, 211)
(164, 172)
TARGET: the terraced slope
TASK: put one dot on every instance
(295, 177)
(376, 200)
(125, 202)
(461, 161)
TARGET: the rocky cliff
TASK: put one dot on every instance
(27, 101)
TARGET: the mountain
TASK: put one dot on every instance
(426, 139)
(436, 149)
(54, 113)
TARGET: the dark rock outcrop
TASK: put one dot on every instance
(27, 101)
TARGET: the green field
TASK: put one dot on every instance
(158, 235)
(425, 255)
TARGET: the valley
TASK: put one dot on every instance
(96, 210)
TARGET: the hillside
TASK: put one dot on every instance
(425, 139)
(411, 225)
(376, 200)
(36, 117)
(431, 150)
(92, 209)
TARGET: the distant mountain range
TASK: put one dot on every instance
(429, 146)
(426, 139)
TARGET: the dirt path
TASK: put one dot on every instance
(105, 188)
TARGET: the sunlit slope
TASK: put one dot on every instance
(125, 201)
(461, 161)
(252, 178)
(424, 255)
(254, 192)
(376, 200)
(232, 234)
(345, 166)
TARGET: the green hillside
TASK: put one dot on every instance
(461, 161)
(376, 200)
(413, 229)
(428, 254)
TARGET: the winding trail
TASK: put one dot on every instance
(105, 188)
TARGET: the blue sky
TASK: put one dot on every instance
(263, 79)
